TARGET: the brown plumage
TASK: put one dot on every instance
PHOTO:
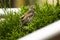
(28, 16)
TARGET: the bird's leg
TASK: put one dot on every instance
(22, 17)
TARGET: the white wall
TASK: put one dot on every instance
(49, 2)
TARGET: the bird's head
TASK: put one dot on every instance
(32, 8)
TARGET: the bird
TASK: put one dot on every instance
(28, 16)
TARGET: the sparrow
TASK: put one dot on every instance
(28, 16)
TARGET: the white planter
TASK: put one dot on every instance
(44, 33)
(10, 9)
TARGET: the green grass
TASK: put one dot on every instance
(44, 15)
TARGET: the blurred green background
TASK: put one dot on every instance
(20, 3)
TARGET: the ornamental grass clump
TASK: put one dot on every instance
(10, 27)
